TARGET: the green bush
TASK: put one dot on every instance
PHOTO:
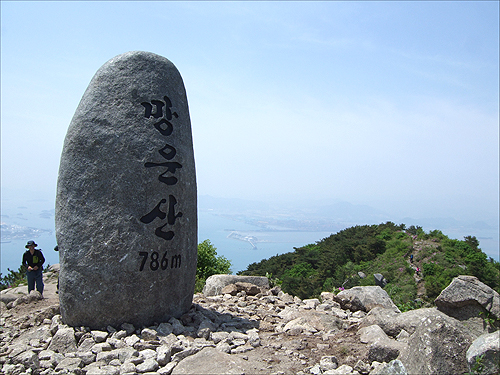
(426, 252)
(434, 285)
(416, 231)
(329, 285)
(385, 235)
(437, 234)
(431, 269)
(209, 264)
(302, 287)
(273, 281)
(402, 294)
(401, 236)
(14, 278)
(302, 269)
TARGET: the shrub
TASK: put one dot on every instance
(434, 285)
(209, 264)
(13, 279)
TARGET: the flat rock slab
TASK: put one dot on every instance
(394, 323)
(126, 215)
(212, 361)
(11, 294)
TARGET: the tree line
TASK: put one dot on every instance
(337, 262)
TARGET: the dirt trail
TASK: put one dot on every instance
(418, 246)
(50, 298)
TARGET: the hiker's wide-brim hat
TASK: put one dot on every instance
(30, 243)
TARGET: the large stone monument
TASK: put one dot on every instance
(126, 218)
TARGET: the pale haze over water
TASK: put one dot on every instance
(392, 106)
(229, 216)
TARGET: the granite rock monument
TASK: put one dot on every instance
(126, 210)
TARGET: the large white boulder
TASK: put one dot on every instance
(215, 283)
(365, 298)
(437, 346)
(470, 301)
(468, 290)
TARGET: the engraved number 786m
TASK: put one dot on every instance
(155, 263)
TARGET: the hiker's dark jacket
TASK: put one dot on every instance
(36, 259)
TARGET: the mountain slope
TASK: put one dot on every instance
(341, 260)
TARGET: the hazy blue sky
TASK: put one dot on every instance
(392, 104)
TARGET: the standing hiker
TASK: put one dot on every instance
(33, 260)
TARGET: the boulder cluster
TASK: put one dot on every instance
(249, 328)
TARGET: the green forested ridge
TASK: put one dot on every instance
(334, 262)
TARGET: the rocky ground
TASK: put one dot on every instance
(244, 331)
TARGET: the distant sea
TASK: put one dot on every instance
(210, 226)
(264, 244)
(242, 253)
(22, 219)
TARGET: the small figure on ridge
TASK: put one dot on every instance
(33, 260)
